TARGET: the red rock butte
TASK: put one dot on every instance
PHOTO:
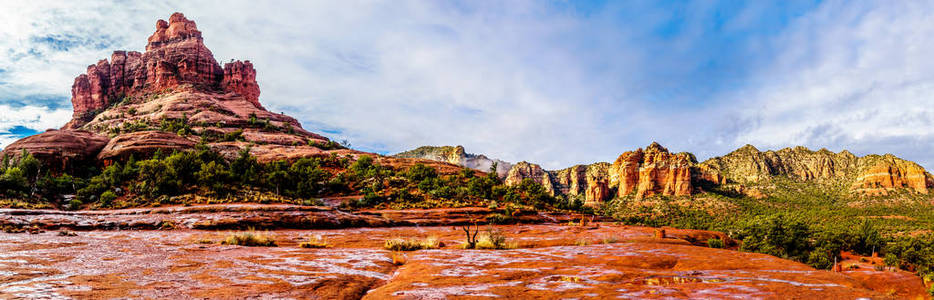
(175, 55)
(122, 108)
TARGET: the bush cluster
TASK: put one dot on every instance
(25, 178)
(161, 177)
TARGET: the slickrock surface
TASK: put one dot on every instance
(258, 216)
(144, 142)
(551, 262)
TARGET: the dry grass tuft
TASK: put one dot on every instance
(250, 239)
(493, 239)
(316, 242)
(400, 244)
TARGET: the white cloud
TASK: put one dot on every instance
(498, 78)
(521, 80)
(852, 76)
(34, 117)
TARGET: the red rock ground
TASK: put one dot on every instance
(596, 261)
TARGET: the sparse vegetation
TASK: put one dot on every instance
(715, 243)
(250, 239)
(400, 244)
(316, 242)
(824, 223)
(493, 238)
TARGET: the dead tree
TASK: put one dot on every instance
(471, 239)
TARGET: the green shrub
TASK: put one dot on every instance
(420, 172)
(498, 219)
(74, 204)
(107, 198)
(493, 239)
(715, 243)
(777, 236)
(236, 135)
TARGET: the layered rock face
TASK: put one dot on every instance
(867, 175)
(653, 171)
(63, 148)
(639, 173)
(525, 170)
(590, 182)
(175, 55)
(458, 156)
(145, 143)
(880, 174)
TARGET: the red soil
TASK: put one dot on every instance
(551, 261)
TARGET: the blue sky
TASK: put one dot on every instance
(558, 83)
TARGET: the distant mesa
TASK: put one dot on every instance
(639, 173)
(656, 171)
(871, 175)
(458, 156)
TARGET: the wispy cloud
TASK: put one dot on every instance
(848, 76)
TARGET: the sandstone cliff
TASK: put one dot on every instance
(458, 156)
(867, 175)
(175, 55)
(653, 171)
(525, 170)
(639, 173)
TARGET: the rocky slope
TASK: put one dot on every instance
(172, 97)
(867, 175)
(458, 156)
(639, 173)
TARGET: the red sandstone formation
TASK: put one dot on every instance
(144, 142)
(639, 173)
(525, 170)
(62, 147)
(130, 97)
(240, 78)
(880, 174)
(653, 171)
(175, 55)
